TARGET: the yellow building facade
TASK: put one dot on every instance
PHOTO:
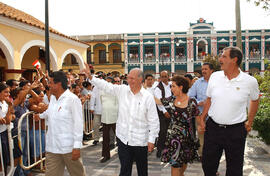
(22, 41)
(106, 52)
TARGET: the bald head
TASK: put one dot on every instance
(135, 78)
(164, 77)
(137, 72)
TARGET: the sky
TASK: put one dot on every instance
(88, 17)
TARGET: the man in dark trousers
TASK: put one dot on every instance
(137, 124)
(229, 93)
(163, 90)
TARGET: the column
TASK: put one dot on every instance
(172, 54)
(107, 53)
(262, 54)
(141, 52)
(92, 61)
(231, 38)
(190, 59)
(214, 46)
(126, 56)
(157, 54)
(247, 54)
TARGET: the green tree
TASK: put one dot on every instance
(262, 119)
(213, 60)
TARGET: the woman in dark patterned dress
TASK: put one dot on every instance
(181, 146)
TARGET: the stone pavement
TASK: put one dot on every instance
(257, 163)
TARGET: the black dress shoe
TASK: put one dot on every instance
(104, 159)
(95, 142)
(112, 146)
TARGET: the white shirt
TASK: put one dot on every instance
(65, 123)
(3, 113)
(95, 104)
(138, 121)
(46, 99)
(86, 92)
(151, 90)
(158, 94)
(229, 98)
(109, 108)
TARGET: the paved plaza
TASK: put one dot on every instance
(257, 163)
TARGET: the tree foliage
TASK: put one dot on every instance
(265, 4)
(213, 60)
(262, 119)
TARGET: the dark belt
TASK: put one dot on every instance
(226, 126)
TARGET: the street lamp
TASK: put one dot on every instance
(47, 45)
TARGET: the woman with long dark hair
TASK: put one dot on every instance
(6, 113)
(181, 146)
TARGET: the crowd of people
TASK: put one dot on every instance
(179, 115)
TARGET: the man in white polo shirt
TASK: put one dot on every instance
(228, 94)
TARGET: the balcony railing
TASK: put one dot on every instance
(149, 60)
(254, 56)
(200, 58)
(164, 59)
(180, 58)
(133, 60)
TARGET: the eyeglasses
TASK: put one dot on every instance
(116, 81)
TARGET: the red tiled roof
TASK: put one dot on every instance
(15, 14)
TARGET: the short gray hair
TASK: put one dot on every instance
(140, 72)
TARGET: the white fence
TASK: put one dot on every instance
(88, 118)
(31, 140)
(10, 169)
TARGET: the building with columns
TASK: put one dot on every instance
(22, 41)
(183, 52)
(106, 52)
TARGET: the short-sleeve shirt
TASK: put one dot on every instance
(3, 112)
(229, 98)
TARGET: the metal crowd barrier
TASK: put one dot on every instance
(88, 118)
(27, 162)
(11, 168)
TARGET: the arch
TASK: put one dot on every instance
(200, 25)
(99, 72)
(77, 56)
(41, 44)
(114, 44)
(99, 45)
(7, 50)
(115, 73)
(197, 46)
(202, 39)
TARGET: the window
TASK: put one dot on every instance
(102, 56)
(73, 60)
(149, 51)
(179, 52)
(221, 47)
(267, 50)
(117, 56)
(254, 51)
(88, 53)
(133, 52)
(164, 51)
